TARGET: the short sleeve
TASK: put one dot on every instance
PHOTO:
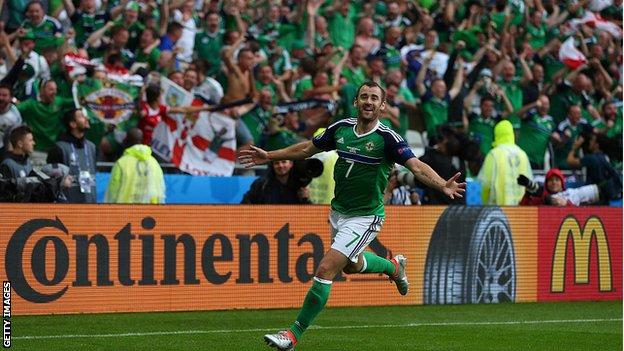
(396, 149)
(326, 141)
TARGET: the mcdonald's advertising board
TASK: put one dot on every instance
(580, 254)
(124, 258)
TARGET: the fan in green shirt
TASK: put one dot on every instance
(536, 31)
(611, 122)
(481, 126)
(353, 70)
(257, 119)
(513, 91)
(341, 24)
(208, 44)
(567, 95)
(536, 131)
(436, 100)
(44, 115)
(148, 51)
(47, 30)
(85, 19)
(130, 20)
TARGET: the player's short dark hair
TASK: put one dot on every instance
(18, 133)
(372, 84)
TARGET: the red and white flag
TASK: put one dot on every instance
(595, 21)
(570, 55)
(203, 144)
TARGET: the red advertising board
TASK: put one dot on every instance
(580, 254)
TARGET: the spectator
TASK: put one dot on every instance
(10, 117)
(481, 126)
(35, 68)
(599, 169)
(354, 69)
(512, 88)
(190, 22)
(240, 82)
(17, 163)
(256, 116)
(79, 154)
(571, 94)
(169, 41)
(364, 36)
(444, 158)
(45, 29)
(554, 192)
(152, 111)
(394, 18)
(86, 19)
(275, 188)
(44, 116)
(537, 194)
(147, 51)
(399, 194)
(130, 20)
(208, 42)
(502, 166)
(341, 22)
(136, 177)
(531, 89)
(565, 135)
(536, 131)
(436, 100)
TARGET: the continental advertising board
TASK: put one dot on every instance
(113, 258)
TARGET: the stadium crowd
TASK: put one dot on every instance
(452, 71)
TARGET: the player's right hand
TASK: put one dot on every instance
(253, 156)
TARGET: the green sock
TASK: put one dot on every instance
(313, 304)
(376, 264)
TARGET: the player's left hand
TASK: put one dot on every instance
(453, 189)
(253, 156)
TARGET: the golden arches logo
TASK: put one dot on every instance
(581, 244)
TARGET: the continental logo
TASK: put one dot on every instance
(582, 242)
(223, 258)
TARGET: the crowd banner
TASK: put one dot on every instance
(112, 102)
(125, 258)
(201, 143)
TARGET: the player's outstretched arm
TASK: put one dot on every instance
(429, 177)
(256, 156)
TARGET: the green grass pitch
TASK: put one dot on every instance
(534, 326)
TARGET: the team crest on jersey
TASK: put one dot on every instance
(340, 141)
(370, 146)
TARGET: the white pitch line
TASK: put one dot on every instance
(223, 331)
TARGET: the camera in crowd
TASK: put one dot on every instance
(303, 171)
(531, 186)
(43, 186)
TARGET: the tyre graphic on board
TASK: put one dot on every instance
(470, 258)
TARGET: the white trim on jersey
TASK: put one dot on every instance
(348, 120)
(394, 134)
(367, 133)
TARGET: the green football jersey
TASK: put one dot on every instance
(364, 163)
